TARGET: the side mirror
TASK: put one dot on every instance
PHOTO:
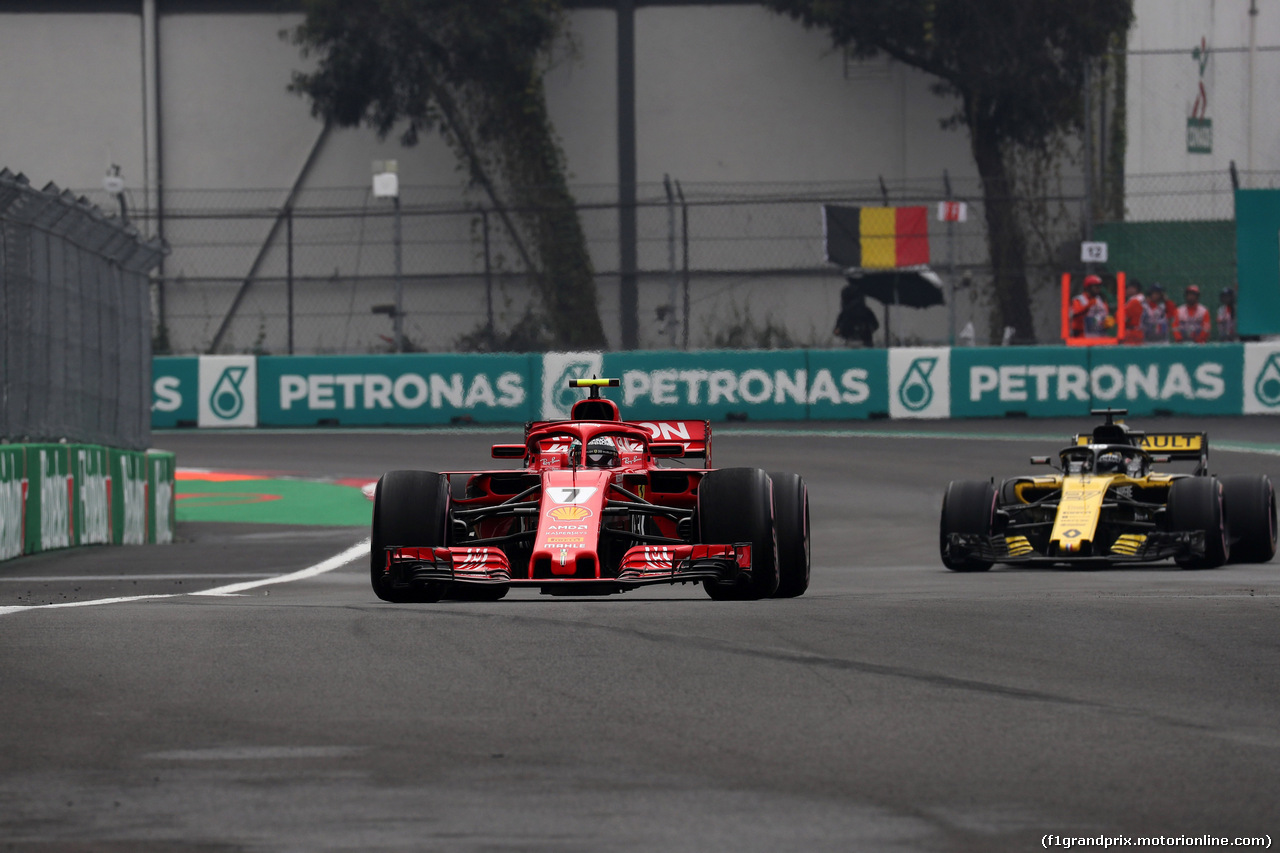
(1041, 460)
(508, 451)
(1163, 459)
(667, 450)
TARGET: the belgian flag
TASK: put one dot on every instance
(876, 237)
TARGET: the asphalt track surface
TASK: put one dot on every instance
(895, 707)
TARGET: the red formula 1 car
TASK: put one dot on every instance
(592, 512)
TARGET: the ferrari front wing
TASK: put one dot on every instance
(641, 565)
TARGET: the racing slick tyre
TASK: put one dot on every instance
(1250, 501)
(410, 508)
(968, 507)
(791, 520)
(736, 505)
(1195, 503)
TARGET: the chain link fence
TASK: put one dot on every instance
(75, 320)
(718, 265)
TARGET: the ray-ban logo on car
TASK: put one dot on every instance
(569, 513)
(570, 494)
(916, 391)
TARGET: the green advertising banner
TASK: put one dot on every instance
(848, 384)
(782, 385)
(1258, 261)
(175, 386)
(64, 495)
(128, 496)
(91, 501)
(1186, 379)
(13, 500)
(162, 469)
(762, 385)
(389, 390)
(49, 497)
(991, 382)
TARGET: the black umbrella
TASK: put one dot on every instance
(917, 287)
(914, 288)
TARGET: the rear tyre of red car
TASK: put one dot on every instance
(1196, 503)
(968, 507)
(736, 505)
(791, 520)
(410, 509)
(1250, 502)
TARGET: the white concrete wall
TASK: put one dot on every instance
(731, 100)
(1164, 81)
(71, 97)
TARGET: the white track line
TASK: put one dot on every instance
(360, 549)
(337, 561)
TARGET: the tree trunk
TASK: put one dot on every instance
(533, 166)
(1005, 240)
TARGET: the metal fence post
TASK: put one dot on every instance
(289, 271)
(488, 272)
(399, 319)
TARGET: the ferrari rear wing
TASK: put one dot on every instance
(695, 436)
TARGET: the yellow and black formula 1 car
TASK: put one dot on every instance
(1106, 505)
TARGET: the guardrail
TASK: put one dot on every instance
(764, 385)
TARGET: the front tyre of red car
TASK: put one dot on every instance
(1250, 502)
(1195, 504)
(410, 509)
(968, 508)
(736, 505)
(791, 520)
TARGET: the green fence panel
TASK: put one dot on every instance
(128, 496)
(13, 500)
(1186, 379)
(162, 468)
(91, 499)
(1258, 256)
(49, 497)
(389, 390)
(991, 382)
(175, 390)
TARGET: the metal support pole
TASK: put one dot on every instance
(684, 245)
(671, 321)
(1089, 165)
(628, 284)
(951, 265)
(289, 271)
(488, 272)
(399, 318)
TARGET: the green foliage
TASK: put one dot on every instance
(1017, 71)
(743, 332)
(472, 71)
(528, 334)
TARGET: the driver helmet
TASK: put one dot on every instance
(1111, 462)
(602, 452)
